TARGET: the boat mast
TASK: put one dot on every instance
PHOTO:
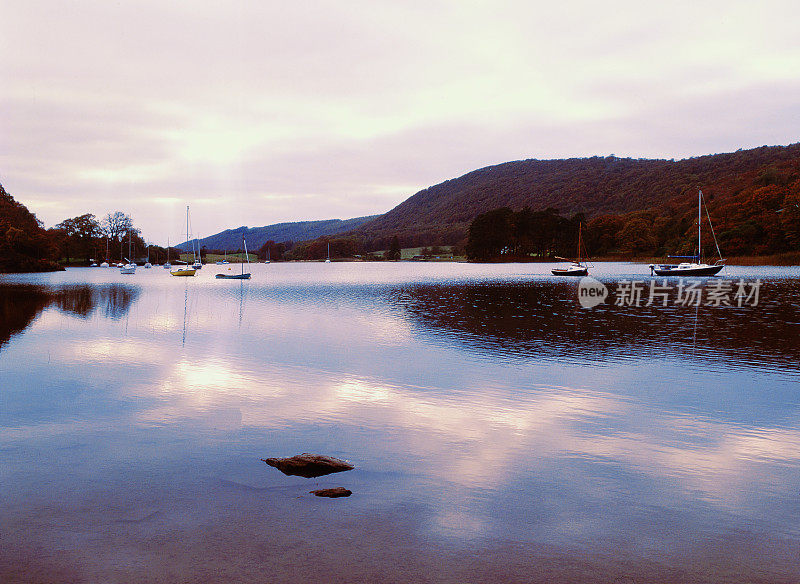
(580, 226)
(187, 234)
(699, 225)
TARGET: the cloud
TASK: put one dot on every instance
(352, 108)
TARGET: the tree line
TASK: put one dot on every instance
(26, 246)
(85, 239)
(755, 214)
(503, 234)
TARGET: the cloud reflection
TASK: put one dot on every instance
(556, 447)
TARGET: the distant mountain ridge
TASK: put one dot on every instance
(441, 214)
(231, 239)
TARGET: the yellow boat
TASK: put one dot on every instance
(183, 271)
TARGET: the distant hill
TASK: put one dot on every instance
(441, 214)
(231, 239)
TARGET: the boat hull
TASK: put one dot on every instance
(191, 272)
(695, 271)
(233, 277)
(570, 271)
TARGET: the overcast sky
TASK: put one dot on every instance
(260, 112)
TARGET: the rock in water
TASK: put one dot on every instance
(309, 465)
(332, 493)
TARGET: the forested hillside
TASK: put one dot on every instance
(598, 186)
(24, 244)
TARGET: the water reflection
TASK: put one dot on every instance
(543, 320)
(20, 305)
(474, 413)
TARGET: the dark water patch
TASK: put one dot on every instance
(21, 304)
(542, 320)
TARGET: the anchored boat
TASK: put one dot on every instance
(243, 275)
(185, 270)
(576, 267)
(694, 267)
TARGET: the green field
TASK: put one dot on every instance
(211, 258)
(407, 253)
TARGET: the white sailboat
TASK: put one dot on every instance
(695, 267)
(576, 268)
(328, 260)
(130, 267)
(147, 264)
(105, 262)
(167, 265)
(185, 270)
(198, 258)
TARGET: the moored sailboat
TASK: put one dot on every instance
(695, 267)
(576, 267)
(130, 267)
(185, 270)
(243, 275)
(167, 265)
(105, 263)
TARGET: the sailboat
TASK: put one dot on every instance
(167, 265)
(130, 267)
(576, 268)
(224, 261)
(105, 262)
(244, 275)
(198, 261)
(147, 264)
(327, 261)
(266, 262)
(185, 270)
(695, 267)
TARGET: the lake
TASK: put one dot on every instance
(501, 432)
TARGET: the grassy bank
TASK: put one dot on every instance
(211, 258)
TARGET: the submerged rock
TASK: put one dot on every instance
(309, 465)
(332, 493)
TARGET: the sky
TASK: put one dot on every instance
(259, 112)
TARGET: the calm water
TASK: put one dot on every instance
(500, 432)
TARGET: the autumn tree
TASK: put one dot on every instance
(24, 244)
(80, 235)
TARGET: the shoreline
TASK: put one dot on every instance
(788, 259)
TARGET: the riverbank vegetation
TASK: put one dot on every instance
(754, 215)
(24, 244)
